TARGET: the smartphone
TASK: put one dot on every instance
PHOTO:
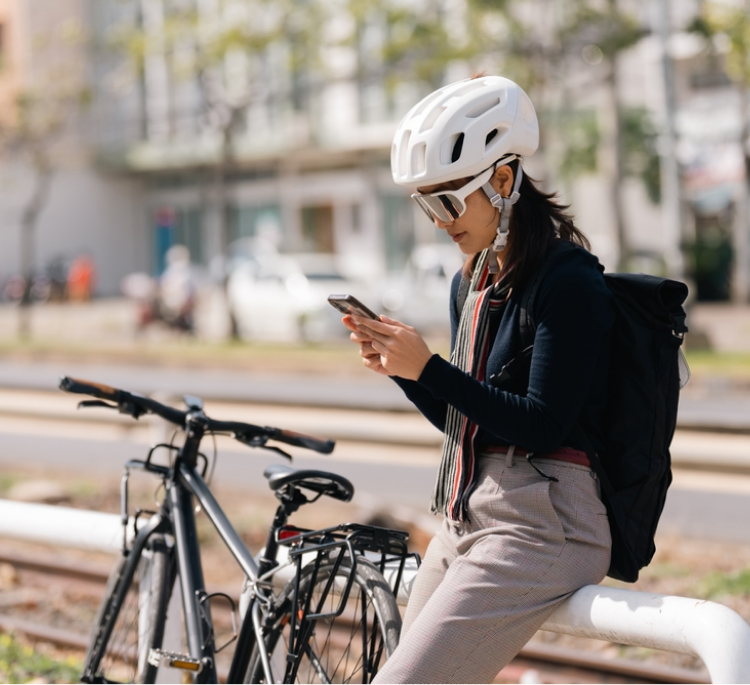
(348, 304)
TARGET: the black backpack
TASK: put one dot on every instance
(641, 411)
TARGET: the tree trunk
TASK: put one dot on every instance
(222, 207)
(741, 267)
(671, 192)
(42, 182)
(613, 160)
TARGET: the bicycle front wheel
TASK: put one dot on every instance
(124, 633)
(349, 648)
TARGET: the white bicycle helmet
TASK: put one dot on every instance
(465, 129)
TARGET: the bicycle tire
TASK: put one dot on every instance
(334, 653)
(124, 635)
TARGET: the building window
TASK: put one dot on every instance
(249, 221)
(317, 228)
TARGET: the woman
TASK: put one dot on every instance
(524, 526)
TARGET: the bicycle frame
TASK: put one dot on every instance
(184, 486)
(178, 509)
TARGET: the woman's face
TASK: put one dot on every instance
(476, 228)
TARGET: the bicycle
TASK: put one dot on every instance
(315, 606)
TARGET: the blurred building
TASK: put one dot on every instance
(310, 158)
(43, 48)
(136, 171)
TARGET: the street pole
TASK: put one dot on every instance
(671, 201)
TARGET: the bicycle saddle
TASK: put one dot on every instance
(323, 482)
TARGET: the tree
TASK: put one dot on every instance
(730, 21)
(41, 113)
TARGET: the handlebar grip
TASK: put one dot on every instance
(76, 385)
(307, 441)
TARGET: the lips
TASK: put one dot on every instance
(456, 237)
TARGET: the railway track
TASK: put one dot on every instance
(537, 662)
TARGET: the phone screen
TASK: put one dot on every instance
(348, 304)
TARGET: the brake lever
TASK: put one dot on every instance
(96, 403)
(273, 448)
(260, 441)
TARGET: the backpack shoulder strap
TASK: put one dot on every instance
(526, 317)
(527, 324)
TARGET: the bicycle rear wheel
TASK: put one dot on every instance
(348, 648)
(124, 633)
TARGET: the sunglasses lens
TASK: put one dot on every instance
(443, 207)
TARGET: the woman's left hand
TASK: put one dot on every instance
(403, 352)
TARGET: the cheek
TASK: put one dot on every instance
(480, 217)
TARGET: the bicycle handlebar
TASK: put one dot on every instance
(136, 405)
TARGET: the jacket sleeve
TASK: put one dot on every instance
(433, 408)
(574, 318)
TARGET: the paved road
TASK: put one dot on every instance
(701, 505)
(709, 407)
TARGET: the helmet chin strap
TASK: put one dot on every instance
(504, 204)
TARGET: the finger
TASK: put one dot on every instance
(386, 321)
(379, 347)
(373, 363)
(373, 334)
(374, 324)
(349, 323)
(359, 337)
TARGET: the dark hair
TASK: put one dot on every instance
(537, 219)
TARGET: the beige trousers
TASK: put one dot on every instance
(487, 585)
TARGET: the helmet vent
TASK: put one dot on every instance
(473, 84)
(403, 153)
(482, 108)
(457, 147)
(418, 164)
(493, 136)
(422, 106)
(431, 118)
(450, 149)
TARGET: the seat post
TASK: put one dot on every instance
(290, 500)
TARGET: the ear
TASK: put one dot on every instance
(502, 180)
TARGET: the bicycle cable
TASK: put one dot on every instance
(213, 461)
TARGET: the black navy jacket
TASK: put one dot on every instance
(567, 380)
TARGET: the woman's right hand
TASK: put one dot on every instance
(370, 358)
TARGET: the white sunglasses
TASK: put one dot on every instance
(448, 205)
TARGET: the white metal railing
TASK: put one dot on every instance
(710, 631)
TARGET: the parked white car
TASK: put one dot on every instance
(284, 297)
(419, 295)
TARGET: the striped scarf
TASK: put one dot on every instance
(457, 473)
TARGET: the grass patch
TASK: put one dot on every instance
(6, 483)
(666, 569)
(331, 358)
(20, 663)
(706, 363)
(718, 584)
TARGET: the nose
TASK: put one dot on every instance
(442, 224)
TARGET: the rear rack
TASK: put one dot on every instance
(340, 545)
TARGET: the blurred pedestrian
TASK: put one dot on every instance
(81, 278)
(177, 289)
(523, 522)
